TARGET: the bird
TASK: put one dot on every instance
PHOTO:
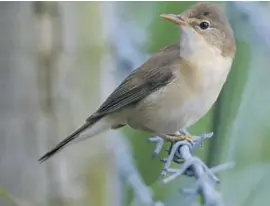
(175, 87)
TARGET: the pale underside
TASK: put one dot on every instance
(178, 106)
(175, 106)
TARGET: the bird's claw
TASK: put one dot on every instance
(187, 138)
(159, 141)
(174, 152)
(194, 143)
(173, 138)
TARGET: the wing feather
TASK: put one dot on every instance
(148, 78)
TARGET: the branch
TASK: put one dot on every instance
(181, 153)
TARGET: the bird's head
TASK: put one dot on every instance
(205, 23)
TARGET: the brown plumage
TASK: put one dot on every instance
(175, 87)
(209, 12)
(139, 84)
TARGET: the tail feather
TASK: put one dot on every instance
(67, 140)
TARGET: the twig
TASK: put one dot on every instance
(192, 166)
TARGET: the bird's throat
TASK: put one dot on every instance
(194, 47)
(206, 65)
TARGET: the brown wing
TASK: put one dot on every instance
(152, 75)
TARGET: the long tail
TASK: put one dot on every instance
(88, 125)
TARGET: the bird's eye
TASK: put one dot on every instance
(204, 25)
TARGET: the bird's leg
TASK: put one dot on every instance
(182, 137)
(177, 137)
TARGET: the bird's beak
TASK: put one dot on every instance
(174, 18)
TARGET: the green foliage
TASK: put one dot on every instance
(5, 196)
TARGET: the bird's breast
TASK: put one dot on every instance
(180, 104)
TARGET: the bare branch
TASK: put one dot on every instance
(192, 167)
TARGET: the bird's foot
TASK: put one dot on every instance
(160, 140)
(178, 137)
(174, 149)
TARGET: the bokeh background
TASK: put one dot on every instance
(60, 60)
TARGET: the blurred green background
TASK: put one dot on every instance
(59, 60)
